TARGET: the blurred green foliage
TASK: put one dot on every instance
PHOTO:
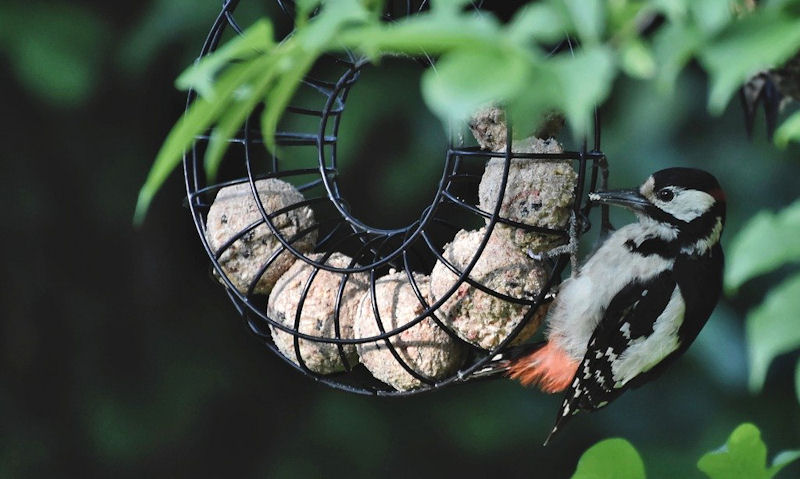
(60, 64)
(744, 456)
(767, 242)
(514, 71)
(610, 458)
(121, 357)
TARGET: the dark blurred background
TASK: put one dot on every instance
(120, 356)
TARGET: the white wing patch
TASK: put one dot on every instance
(644, 353)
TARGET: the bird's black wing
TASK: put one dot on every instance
(630, 315)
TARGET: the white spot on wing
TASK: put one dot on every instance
(645, 352)
(610, 354)
(625, 329)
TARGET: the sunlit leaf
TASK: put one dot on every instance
(537, 21)
(624, 16)
(587, 18)
(675, 10)
(202, 74)
(280, 96)
(586, 80)
(673, 47)
(610, 459)
(751, 44)
(743, 455)
(248, 96)
(772, 329)
(425, 34)
(303, 10)
(788, 131)
(197, 119)
(711, 15)
(323, 29)
(767, 241)
(637, 60)
(464, 81)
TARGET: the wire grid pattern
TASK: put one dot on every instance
(410, 249)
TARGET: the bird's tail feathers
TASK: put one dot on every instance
(501, 363)
(549, 367)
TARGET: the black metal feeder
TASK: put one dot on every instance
(307, 158)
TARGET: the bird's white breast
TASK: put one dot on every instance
(582, 300)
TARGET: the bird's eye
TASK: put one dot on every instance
(665, 195)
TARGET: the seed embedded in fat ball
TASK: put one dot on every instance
(317, 317)
(425, 347)
(476, 316)
(538, 193)
(235, 208)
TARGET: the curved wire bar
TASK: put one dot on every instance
(374, 252)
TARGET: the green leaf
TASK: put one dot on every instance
(303, 10)
(464, 81)
(197, 119)
(201, 75)
(610, 459)
(743, 455)
(426, 34)
(322, 31)
(537, 21)
(586, 80)
(788, 131)
(59, 63)
(766, 242)
(587, 18)
(675, 10)
(772, 330)
(244, 102)
(637, 60)
(711, 15)
(280, 96)
(753, 43)
(782, 460)
(673, 47)
(623, 16)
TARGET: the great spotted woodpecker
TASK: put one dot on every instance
(640, 299)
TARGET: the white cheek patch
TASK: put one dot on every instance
(646, 189)
(688, 204)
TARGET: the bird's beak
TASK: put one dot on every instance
(630, 199)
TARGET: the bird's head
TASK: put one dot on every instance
(686, 202)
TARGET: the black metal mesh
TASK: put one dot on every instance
(308, 159)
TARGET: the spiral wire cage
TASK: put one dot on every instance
(307, 158)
